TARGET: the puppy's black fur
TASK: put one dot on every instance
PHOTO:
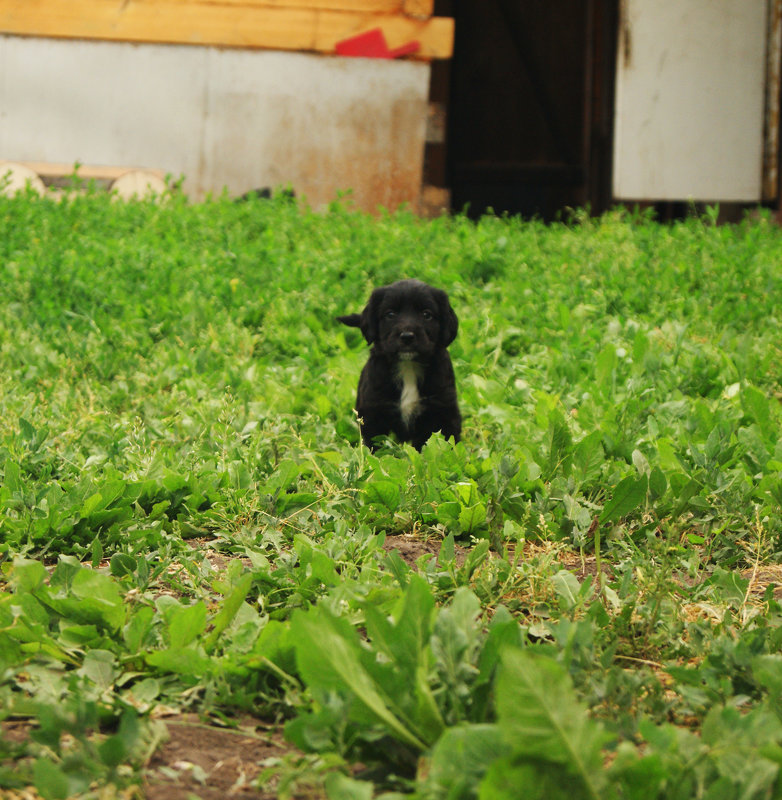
(407, 387)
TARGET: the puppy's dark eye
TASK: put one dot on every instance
(390, 314)
(427, 314)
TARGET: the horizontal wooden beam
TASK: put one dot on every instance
(415, 8)
(418, 8)
(49, 170)
(220, 25)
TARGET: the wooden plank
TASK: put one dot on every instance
(418, 8)
(204, 23)
(413, 8)
(361, 6)
(86, 171)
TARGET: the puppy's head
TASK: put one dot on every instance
(408, 320)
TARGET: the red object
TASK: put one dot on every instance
(372, 44)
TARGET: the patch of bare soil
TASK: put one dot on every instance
(210, 763)
(195, 761)
(761, 576)
(411, 548)
(15, 731)
(585, 566)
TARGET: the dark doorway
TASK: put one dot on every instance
(530, 107)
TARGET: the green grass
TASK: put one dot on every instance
(602, 618)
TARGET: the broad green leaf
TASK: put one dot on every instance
(641, 344)
(66, 570)
(118, 747)
(658, 484)
(122, 564)
(406, 643)
(185, 624)
(384, 493)
(283, 477)
(568, 588)
(560, 445)
(577, 514)
(756, 405)
(728, 586)
(100, 667)
(455, 639)
(229, 608)
(107, 494)
(26, 429)
(477, 555)
(767, 671)
(588, 456)
(630, 492)
(398, 567)
(341, 787)
(182, 661)
(24, 620)
(90, 504)
(460, 759)
(448, 512)
(447, 550)
(542, 720)
(138, 627)
(50, 780)
(12, 475)
(512, 778)
(27, 575)
(405, 639)
(294, 500)
(472, 518)
(99, 595)
(734, 738)
(605, 365)
(329, 659)
(640, 462)
(112, 751)
(667, 456)
(504, 632)
(92, 598)
(466, 492)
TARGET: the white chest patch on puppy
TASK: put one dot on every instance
(410, 401)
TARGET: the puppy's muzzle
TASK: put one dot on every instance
(408, 347)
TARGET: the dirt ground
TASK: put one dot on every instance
(200, 760)
(411, 548)
(211, 763)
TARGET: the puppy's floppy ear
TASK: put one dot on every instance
(354, 320)
(369, 316)
(449, 323)
(367, 319)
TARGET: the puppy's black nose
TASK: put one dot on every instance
(407, 337)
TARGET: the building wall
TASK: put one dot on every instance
(239, 119)
(690, 97)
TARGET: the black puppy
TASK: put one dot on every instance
(407, 387)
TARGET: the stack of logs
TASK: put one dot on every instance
(43, 178)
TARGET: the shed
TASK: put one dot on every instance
(590, 102)
(229, 94)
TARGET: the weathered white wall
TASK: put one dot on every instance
(690, 100)
(240, 119)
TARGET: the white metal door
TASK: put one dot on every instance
(690, 96)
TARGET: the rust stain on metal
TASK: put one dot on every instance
(627, 35)
(373, 152)
(771, 117)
